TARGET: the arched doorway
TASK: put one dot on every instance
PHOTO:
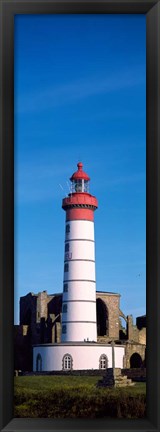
(39, 363)
(102, 318)
(135, 360)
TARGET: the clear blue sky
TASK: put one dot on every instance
(80, 96)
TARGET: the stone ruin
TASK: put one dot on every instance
(114, 378)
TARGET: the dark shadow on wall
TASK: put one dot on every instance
(55, 305)
(102, 318)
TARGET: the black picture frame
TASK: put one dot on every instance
(8, 8)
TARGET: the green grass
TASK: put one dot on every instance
(54, 381)
(76, 396)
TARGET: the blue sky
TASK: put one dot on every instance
(80, 95)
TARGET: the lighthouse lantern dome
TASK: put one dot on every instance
(80, 180)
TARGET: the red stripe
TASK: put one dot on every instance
(79, 213)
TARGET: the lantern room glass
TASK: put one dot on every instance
(80, 185)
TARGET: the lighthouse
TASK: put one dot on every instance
(79, 283)
(79, 348)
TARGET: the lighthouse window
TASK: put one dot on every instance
(65, 287)
(86, 186)
(65, 308)
(67, 247)
(78, 186)
(67, 228)
(103, 362)
(67, 362)
(66, 267)
(64, 329)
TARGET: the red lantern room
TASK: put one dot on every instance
(79, 203)
(80, 180)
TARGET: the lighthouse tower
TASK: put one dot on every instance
(79, 285)
(79, 349)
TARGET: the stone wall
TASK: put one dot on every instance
(136, 374)
(28, 309)
(142, 336)
(134, 355)
(134, 333)
(111, 301)
(42, 302)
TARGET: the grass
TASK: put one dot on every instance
(76, 396)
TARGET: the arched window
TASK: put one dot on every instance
(66, 267)
(67, 247)
(67, 362)
(38, 363)
(103, 362)
(65, 308)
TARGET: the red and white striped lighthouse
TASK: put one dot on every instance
(79, 285)
(79, 324)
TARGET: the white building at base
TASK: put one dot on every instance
(76, 356)
(79, 349)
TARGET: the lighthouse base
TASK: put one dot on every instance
(76, 356)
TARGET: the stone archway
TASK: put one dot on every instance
(102, 318)
(122, 326)
(135, 361)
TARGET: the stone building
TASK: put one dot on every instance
(40, 323)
